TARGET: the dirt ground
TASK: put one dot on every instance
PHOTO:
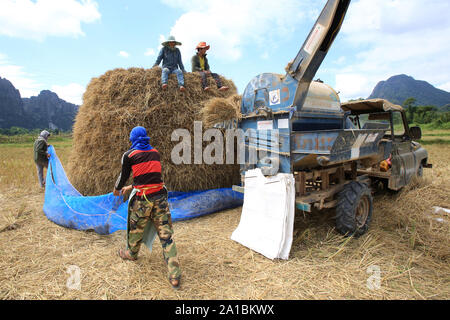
(410, 254)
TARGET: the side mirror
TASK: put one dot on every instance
(416, 133)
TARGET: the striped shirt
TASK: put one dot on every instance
(146, 168)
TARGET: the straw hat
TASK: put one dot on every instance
(202, 45)
(171, 39)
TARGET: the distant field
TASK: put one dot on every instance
(22, 140)
(406, 242)
(429, 135)
(17, 167)
(435, 137)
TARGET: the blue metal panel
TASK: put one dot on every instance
(271, 90)
(314, 142)
(303, 206)
(334, 146)
(273, 142)
(319, 122)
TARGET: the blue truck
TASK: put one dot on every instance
(335, 150)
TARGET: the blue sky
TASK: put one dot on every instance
(61, 45)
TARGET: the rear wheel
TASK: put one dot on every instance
(354, 209)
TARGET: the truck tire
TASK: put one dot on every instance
(420, 171)
(354, 209)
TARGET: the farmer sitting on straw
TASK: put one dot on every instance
(148, 202)
(171, 58)
(200, 64)
(41, 155)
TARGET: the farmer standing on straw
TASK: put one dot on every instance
(41, 155)
(200, 64)
(148, 202)
(171, 60)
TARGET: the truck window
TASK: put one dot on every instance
(399, 127)
(374, 121)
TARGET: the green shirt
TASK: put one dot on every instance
(40, 151)
(196, 65)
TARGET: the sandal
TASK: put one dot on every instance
(125, 255)
(175, 283)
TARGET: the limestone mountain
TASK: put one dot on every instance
(401, 87)
(11, 107)
(49, 111)
(46, 110)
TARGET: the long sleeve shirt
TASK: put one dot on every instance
(40, 151)
(146, 169)
(196, 65)
(171, 59)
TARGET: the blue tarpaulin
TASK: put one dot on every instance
(105, 214)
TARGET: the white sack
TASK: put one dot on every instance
(267, 219)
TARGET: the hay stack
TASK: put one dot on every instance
(121, 99)
(221, 109)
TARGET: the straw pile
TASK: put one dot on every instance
(121, 99)
(413, 212)
(402, 241)
(219, 109)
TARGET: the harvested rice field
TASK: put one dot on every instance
(407, 245)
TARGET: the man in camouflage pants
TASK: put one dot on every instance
(148, 203)
(154, 210)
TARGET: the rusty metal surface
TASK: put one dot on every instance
(406, 159)
(337, 146)
(368, 106)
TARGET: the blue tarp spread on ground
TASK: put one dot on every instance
(106, 214)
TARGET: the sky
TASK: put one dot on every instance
(60, 45)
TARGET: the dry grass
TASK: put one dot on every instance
(121, 99)
(221, 109)
(410, 250)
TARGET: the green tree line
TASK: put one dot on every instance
(14, 131)
(425, 114)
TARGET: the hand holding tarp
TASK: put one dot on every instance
(126, 189)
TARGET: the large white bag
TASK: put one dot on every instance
(267, 219)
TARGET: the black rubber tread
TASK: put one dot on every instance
(348, 200)
(420, 170)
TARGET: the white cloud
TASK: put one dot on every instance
(394, 37)
(230, 25)
(124, 54)
(43, 18)
(72, 92)
(20, 79)
(28, 86)
(150, 52)
(351, 86)
(445, 87)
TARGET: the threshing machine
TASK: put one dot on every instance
(298, 126)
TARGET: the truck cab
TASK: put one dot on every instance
(405, 156)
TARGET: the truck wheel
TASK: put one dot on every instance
(420, 170)
(354, 209)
